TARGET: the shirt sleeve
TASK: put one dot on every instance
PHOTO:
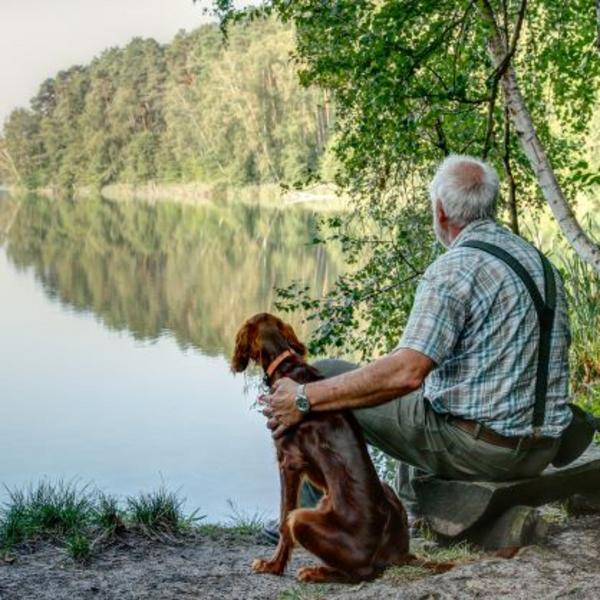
(436, 319)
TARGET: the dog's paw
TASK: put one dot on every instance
(305, 574)
(324, 574)
(261, 565)
(315, 574)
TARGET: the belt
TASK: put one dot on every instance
(481, 432)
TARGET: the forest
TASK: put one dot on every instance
(368, 94)
(196, 109)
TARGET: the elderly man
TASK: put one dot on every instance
(456, 397)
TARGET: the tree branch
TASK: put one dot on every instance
(512, 186)
(489, 129)
(520, 117)
(494, 78)
(512, 47)
(442, 142)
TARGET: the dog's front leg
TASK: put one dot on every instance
(290, 477)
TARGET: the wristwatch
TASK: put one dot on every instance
(302, 403)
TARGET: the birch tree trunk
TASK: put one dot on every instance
(586, 248)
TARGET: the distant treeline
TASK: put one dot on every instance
(191, 110)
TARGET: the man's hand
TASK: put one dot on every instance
(281, 409)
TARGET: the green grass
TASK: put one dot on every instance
(47, 509)
(461, 552)
(583, 290)
(108, 515)
(80, 518)
(79, 547)
(160, 511)
(239, 524)
(244, 523)
(401, 575)
(306, 591)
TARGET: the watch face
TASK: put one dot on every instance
(302, 403)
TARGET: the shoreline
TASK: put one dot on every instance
(321, 197)
(215, 565)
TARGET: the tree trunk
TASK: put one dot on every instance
(586, 248)
(512, 185)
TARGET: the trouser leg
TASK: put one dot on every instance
(309, 495)
(403, 484)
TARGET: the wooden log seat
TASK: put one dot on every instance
(501, 514)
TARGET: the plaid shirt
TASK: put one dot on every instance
(475, 319)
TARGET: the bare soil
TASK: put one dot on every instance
(216, 567)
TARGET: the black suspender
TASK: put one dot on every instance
(545, 312)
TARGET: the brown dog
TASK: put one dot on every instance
(359, 526)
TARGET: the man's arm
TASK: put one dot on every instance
(382, 380)
(389, 377)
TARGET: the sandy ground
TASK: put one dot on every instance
(217, 567)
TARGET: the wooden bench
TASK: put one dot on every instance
(501, 515)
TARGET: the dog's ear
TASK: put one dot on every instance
(243, 345)
(290, 335)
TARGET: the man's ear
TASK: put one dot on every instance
(440, 213)
(290, 335)
(241, 353)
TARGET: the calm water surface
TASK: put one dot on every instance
(116, 322)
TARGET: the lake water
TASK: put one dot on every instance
(116, 323)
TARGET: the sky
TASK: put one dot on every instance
(38, 38)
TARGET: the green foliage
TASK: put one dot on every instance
(365, 310)
(582, 285)
(159, 512)
(306, 591)
(191, 110)
(47, 509)
(107, 514)
(412, 82)
(81, 518)
(243, 523)
(79, 547)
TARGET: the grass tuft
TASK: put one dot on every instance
(160, 511)
(306, 591)
(75, 515)
(46, 509)
(108, 516)
(461, 552)
(405, 574)
(243, 523)
(582, 285)
(79, 547)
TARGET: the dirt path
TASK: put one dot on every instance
(216, 568)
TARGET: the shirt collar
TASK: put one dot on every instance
(479, 224)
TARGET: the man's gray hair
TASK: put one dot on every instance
(467, 188)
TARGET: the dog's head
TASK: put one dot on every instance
(261, 335)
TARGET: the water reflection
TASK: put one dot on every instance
(194, 272)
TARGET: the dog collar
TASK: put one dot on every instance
(271, 368)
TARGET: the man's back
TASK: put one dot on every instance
(475, 319)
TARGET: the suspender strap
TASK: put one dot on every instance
(545, 313)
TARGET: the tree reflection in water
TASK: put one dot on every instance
(191, 272)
